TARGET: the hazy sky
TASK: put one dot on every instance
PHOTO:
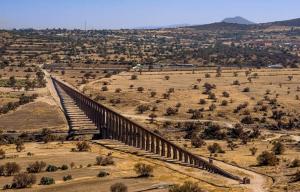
(114, 14)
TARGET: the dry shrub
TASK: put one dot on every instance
(186, 187)
(143, 170)
(83, 146)
(36, 167)
(104, 160)
(23, 180)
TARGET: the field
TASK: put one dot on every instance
(85, 175)
(33, 117)
(185, 93)
(265, 85)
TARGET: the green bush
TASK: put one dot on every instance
(51, 168)
(64, 167)
(67, 177)
(103, 174)
(47, 181)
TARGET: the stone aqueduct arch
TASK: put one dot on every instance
(113, 125)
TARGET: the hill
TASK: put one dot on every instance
(238, 20)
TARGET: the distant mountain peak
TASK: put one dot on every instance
(238, 20)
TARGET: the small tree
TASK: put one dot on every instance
(197, 141)
(153, 93)
(152, 116)
(224, 103)
(104, 88)
(19, 145)
(202, 102)
(64, 167)
(83, 146)
(246, 89)
(195, 86)
(212, 96)
(212, 107)
(225, 94)
(142, 108)
(140, 89)
(236, 82)
(267, 159)
(215, 148)
(253, 150)
(23, 180)
(166, 95)
(36, 167)
(143, 170)
(278, 148)
(118, 187)
(171, 111)
(167, 77)
(118, 90)
(11, 168)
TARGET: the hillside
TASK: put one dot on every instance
(290, 23)
(231, 24)
(223, 26)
